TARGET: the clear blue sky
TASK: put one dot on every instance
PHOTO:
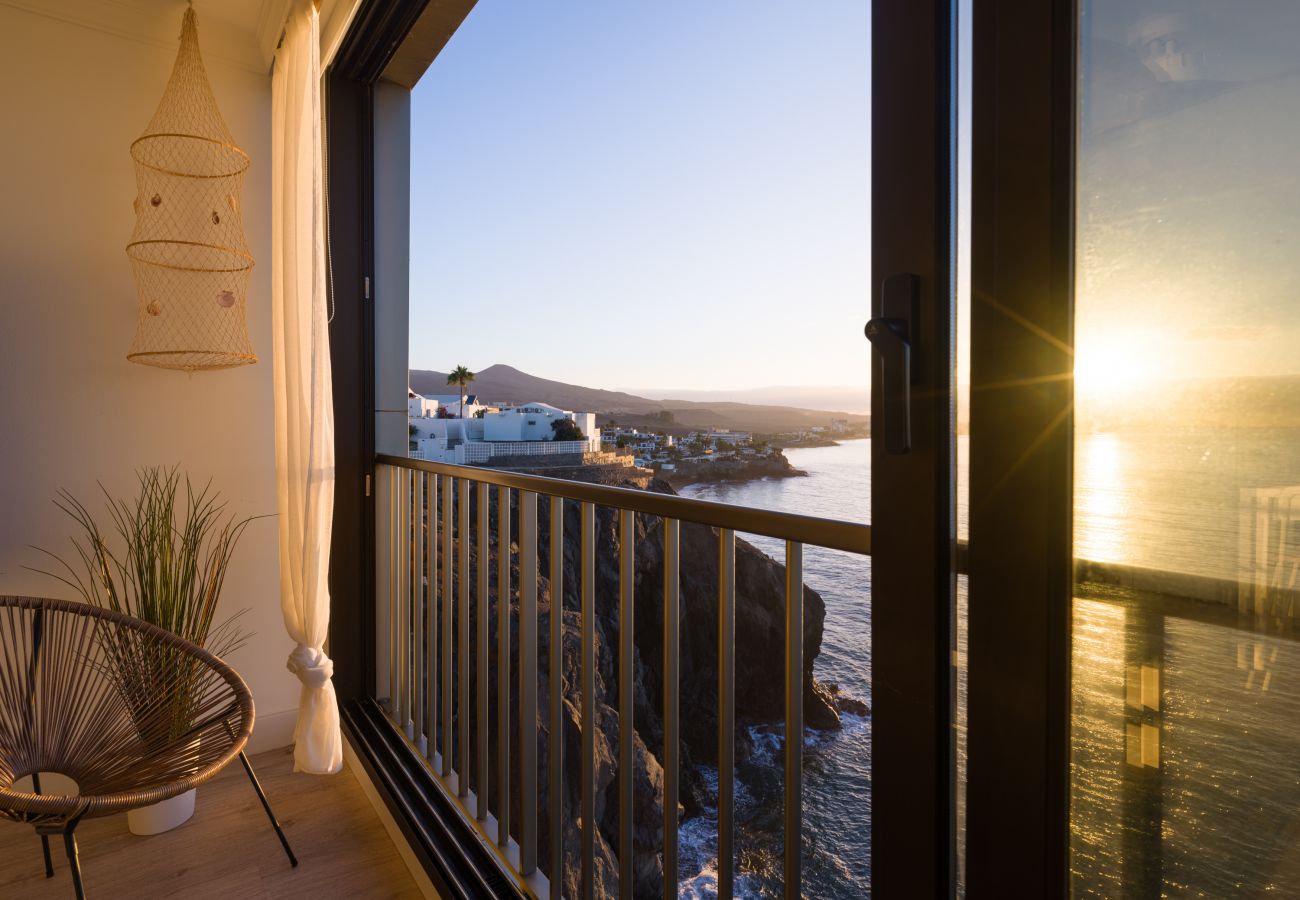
(646, 195)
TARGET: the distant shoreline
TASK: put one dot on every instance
(804, 443)
(734, 469)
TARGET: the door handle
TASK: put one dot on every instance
(892, 333)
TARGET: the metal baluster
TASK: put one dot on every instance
(411, 621)
(431, 626)
(726, 712)
(403, 595)
(588, 586)
(626, 694)
(392, 592)
(503, 666)
(414, 676)
(672, 615)
(448, 602)
(417, 605)
(527, 682)
(793, 718)
(555, 790)
(462, 704)
(481, 798)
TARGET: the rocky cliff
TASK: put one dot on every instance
(732, 468)
(760, 609)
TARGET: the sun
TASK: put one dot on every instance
(1113, 366)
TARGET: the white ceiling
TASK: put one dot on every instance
(258, 20)
(242, 33)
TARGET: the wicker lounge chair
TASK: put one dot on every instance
(65, 708)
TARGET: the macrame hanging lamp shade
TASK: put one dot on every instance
(188, 251)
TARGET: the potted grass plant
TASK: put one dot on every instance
(162, 557)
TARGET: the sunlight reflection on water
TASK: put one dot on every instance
(1102, 501)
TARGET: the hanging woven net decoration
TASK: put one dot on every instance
(188, 252)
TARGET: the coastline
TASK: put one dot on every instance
(837, 786)
(811, 439)
(738, 469)
(804, 443)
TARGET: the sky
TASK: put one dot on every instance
(646, 195)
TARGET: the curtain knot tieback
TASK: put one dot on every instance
(313, 668)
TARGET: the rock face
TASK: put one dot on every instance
(598, 473)
(733, 468)
(760, 616)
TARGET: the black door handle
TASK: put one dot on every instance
(891, 334)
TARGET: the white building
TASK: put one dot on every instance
(534, 421)
(427, 405)
(715, 437)
(524, 430)
(729, 437)
(639, 440)
(426, 428)
(419, 406)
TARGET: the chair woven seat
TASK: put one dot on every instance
(65, 708)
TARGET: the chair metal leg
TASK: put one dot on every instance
(45, 839)
(70, 842)
(261, 795)
(45, 850)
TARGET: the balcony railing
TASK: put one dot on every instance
(482, 451)
(433, 520)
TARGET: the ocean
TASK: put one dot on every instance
(837, 765)
(1171, 499)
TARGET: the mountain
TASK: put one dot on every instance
(855, 399)
(505, 384)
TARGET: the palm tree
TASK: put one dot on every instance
(461, 376)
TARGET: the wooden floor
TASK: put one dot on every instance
(228, 849)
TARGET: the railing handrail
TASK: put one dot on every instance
(429, 642)
(833, 534)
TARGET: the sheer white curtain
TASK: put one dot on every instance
(304, 410)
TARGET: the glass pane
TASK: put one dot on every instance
(965, 34)
(659, 216)
(1186, 665)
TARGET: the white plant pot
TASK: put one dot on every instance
(162, 816)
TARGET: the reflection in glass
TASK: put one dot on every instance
(1186, 657)
(1102, 493)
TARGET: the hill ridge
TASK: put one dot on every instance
(501, 383)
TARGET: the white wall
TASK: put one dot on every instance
(513, 424)
(72, 409)
(390, 294)
(447, 429)
(390, 290)
(507, 425)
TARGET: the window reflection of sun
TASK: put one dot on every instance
(1114, 366)
(1101, 509)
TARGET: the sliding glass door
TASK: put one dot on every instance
(1134, 474)
(1135, 450)
(912, 331)
(1185, 741)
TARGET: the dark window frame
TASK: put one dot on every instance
(913, 496)
(451, 854)
(1021, 451)
(1020, 555)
